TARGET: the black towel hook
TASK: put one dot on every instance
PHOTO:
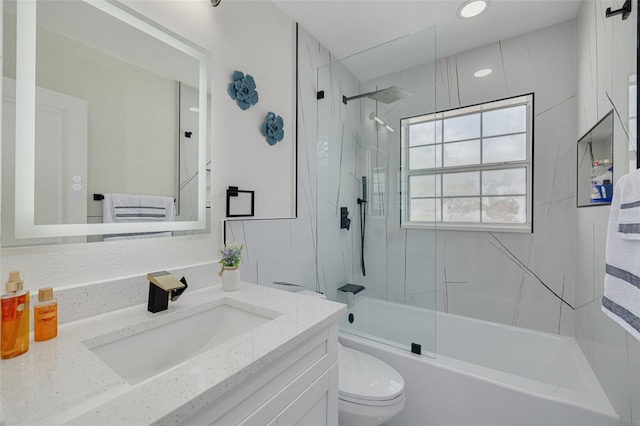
(625, 10)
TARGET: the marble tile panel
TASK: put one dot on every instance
(473, 300)
(584, 330)
(536, 43)
(610, 363)
(427, 300)
(497, 272)
(420, 274)
(603, 49)
(274, 269)
(303, 264)
(447, 89)
(633, 360)
(249, 271)
(604, 65)
(599, 264)
(584, 262)
(475, 90)
(376, 293)
(234, 231)
(587, 64)
(396, 277)
(539, 309)
(263, 238)
(567, 321)
(555, 80)
(553, 250)
(555, 152)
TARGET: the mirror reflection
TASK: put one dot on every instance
(119, 110)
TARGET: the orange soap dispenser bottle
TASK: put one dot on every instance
(14, 336)
(45, 316)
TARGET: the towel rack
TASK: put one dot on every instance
(100, 197)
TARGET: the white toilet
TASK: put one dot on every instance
(370, 391)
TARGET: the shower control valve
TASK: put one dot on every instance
(345, 222)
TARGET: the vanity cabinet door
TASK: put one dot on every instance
(301, 387)
(312, 407)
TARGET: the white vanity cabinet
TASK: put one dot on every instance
(280, 372)
(299, 388)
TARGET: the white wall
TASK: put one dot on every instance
(254, 37)
(285, 250)
(606, 57)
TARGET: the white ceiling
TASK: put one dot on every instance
(346, 27)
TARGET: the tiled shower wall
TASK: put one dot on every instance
(525, 280)
(515, 279)
(606, 61)
(400, 263)
(338, 140)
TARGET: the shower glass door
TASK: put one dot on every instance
(362, 193)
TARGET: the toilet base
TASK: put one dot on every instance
(352, 414)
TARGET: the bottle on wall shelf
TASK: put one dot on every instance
(14, 336)
(45, 316)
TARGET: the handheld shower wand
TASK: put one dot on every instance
(364, 191)
(363, 217)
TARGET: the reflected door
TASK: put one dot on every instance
(61, 163)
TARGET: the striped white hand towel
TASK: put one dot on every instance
(621, 299)
(123, 208)
(629, 218)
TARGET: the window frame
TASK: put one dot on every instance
(527, 100)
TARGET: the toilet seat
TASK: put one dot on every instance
(369, 403)
(366, 380)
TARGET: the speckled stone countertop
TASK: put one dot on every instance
(61, 381)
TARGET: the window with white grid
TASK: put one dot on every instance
(469, 168)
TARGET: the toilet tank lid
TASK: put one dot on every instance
(362, 376)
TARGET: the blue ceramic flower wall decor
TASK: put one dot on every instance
(273, 128)
(243, 90)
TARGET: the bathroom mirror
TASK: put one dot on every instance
(91, 105)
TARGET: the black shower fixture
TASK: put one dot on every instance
(387, 96)
(363, 220)
(625, 11)
(345, 222)
(214, 3)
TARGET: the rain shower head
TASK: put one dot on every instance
(387, 96)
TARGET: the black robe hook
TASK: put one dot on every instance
(625, 11)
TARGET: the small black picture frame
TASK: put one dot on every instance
(238, 204)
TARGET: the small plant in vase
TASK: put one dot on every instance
(231, 256)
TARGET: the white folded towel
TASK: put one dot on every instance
(621, 299)
(629, 218)
(124, 208)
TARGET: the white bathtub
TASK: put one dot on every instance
(483, 373)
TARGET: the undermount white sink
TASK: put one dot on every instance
(147, 353)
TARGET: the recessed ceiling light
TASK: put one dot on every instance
(483, 73)
(472, 8)
(194, 109)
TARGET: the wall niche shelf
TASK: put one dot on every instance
(595, 164)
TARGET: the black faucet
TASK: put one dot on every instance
(162, 287)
